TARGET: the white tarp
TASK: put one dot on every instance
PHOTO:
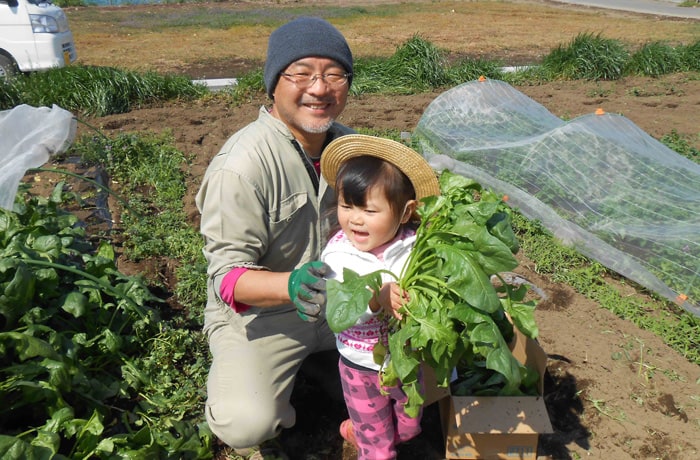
(598, 182)
(29, 136)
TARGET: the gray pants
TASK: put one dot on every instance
(255, 358)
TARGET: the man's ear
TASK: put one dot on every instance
(408, 211)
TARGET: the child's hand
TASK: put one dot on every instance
(391, 298)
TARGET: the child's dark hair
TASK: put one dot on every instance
(357, 175)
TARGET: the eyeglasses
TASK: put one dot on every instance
(305, 80)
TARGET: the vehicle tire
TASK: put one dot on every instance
(7, 66)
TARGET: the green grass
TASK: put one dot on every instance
(95, 91)
(681, 145)
(587, 57)
(690, 56)
(655, 59)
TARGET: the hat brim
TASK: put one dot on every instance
(410, 162)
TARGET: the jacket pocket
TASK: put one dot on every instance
(292, 234)
(288, 210)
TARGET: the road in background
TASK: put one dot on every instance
(656, 7)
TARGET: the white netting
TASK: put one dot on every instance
(597, 182)
(29, 136)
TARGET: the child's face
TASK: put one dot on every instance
(373, 225)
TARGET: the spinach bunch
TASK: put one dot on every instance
(455, 318)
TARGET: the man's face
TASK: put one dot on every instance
(310, 110)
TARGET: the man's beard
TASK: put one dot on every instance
(316, 128)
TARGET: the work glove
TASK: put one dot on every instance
(307, 289)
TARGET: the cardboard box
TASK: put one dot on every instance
(433, 392)
(498, 427)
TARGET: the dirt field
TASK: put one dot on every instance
(613, 391)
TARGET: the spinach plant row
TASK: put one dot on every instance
(73, 330)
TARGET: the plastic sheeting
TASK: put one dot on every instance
(29, 136)
(598, 182)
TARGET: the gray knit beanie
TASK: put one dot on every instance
(300, 38)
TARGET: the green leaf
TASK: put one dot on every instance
(466, 277)
(14, 448)
(88, 434)
(415, 400)
(523, 316)
(347, 301)
(9, 226)
(379, 353)
(18, 293)
(530, 379)
(481, 211)
(48, 246)
(58, 418)
(27, 346)
(110, 342)
(433, 329)
(454, 183)
(500, 226)
(49, 281)
(56, 195)
(59, 373)
(106, 251)
(466, 314)
(488, 340)
(492, 254)
(485, 336)
(47, 439)
(403, 363)
(105, 446)
(75, 303)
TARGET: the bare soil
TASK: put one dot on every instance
(612, 390)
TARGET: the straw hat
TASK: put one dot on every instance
(410, 162)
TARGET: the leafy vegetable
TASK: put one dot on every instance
(73, 334)
(456, 318)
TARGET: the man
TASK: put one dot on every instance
(263, 204)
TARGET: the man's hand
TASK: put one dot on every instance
(307, 289)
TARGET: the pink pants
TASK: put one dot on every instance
(378, 420)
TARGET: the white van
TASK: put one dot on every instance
(34, 35)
